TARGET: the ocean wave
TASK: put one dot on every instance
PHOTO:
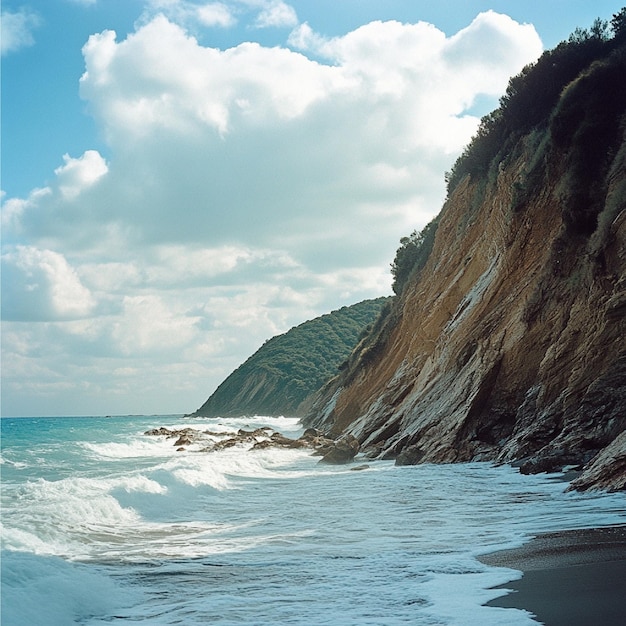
(51, 591)
(266, 536)
(136, 448)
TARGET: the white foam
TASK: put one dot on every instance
(458, 599)
(145, 447)
(58, 517)
(141, 484)
(290, 426)
(80, 519)
(268, 536)
(218, 469)
(11, 463)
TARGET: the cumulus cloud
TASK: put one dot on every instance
(148, 325)
(250, 142)
(15, 210)
(17, 29)
(62, 210)
(81, 173)
(40, 285)
(247, 189)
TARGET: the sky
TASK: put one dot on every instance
(184, 179)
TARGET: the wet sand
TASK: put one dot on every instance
(571, 578)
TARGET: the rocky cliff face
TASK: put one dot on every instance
(509, 344)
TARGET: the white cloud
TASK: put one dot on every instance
(61, 209)
(113, 278)
(259, 145)
(190, 14)
(13, 210)
(148, 325)
(17, 29)
(303, 37)
(177, 264)
(276, 13)
(215, 14)
(81, 173)
(247, 190)
(40, 285)
(160, 79)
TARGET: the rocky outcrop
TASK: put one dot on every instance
(333, 452)
(341, 451)
(607, 471)
(509, 343)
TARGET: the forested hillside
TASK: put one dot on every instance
(280, 377)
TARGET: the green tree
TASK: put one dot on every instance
(618, 25)
(412, 255)
(531, 96)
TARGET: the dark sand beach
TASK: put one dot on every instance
(571, 578)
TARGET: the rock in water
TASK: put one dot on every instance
(410, 456)
(342, 451)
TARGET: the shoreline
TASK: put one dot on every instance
(570, 578)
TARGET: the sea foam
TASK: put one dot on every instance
(106, 523)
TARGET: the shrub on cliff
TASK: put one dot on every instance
(412, 255)
(532, 95)
(588, 130)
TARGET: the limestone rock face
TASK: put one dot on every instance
(510, 343)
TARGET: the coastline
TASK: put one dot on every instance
(570, 578)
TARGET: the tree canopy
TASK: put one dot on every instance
(287, 368)
(532, 94)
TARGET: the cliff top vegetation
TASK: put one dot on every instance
(536, 100)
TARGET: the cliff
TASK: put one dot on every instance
(507, 341)
(281, 377)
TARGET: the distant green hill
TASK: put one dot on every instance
(279, 377)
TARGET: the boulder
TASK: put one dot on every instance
(331, 451)
(278, 440)
(411, 455)
(183, 440)
(233, 441)
(311, 433)
(159, 431)
(259, 432)
(342, 451)
(607, 471)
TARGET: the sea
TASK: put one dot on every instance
(103, 524)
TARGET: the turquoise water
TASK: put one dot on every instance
(102, 524)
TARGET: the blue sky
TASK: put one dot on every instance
(184, 179)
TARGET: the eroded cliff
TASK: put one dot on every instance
(509, 343)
